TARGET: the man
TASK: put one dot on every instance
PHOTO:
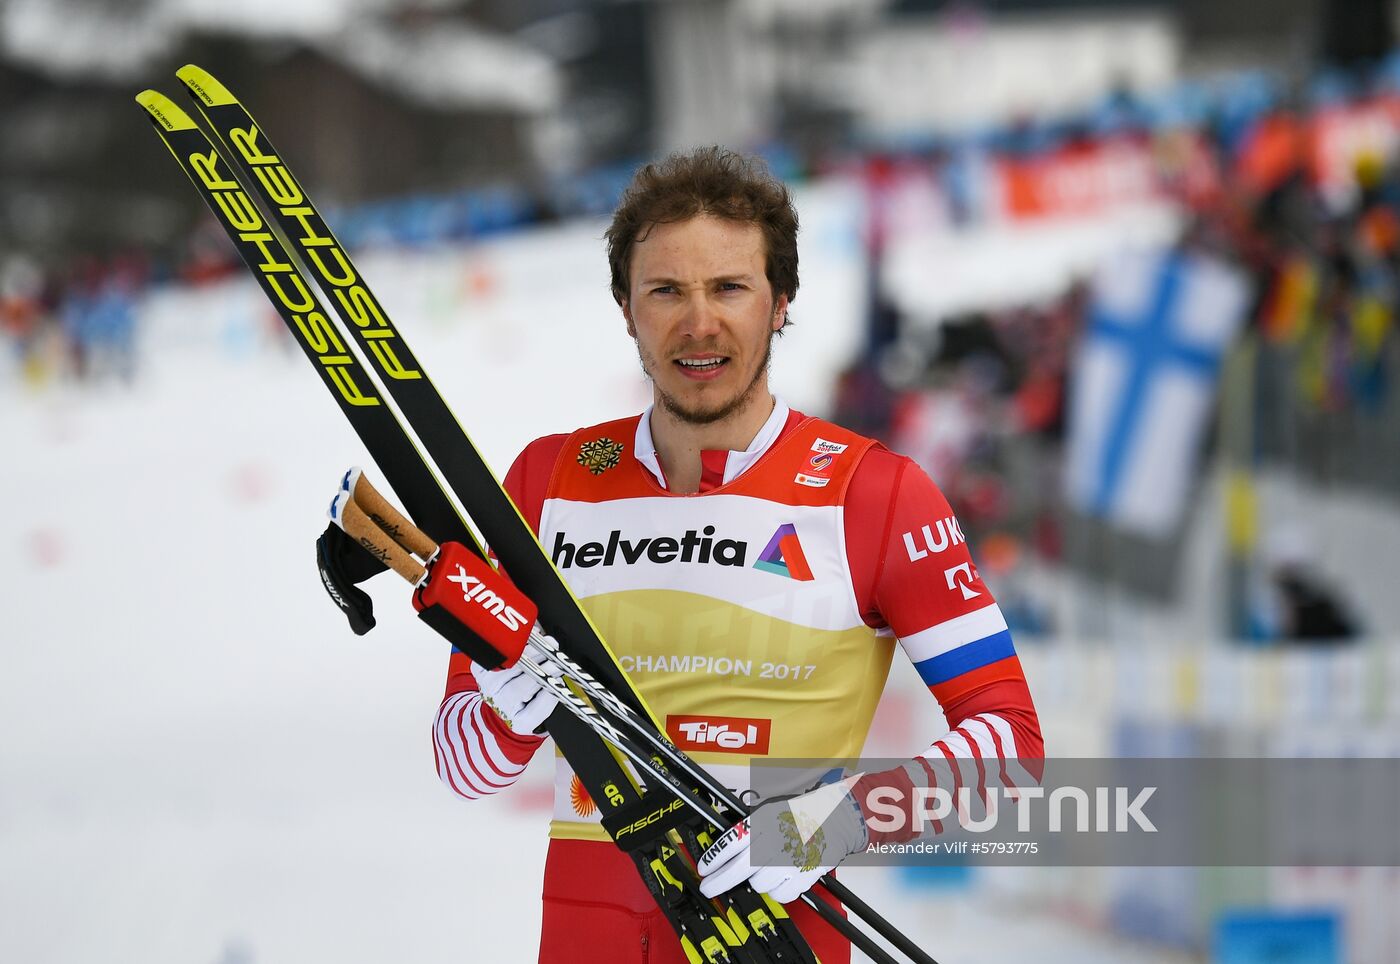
(751, 566)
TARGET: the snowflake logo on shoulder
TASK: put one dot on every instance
(600, 455)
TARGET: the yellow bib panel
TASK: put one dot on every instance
(732, 611)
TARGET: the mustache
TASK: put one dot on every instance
(700, 350)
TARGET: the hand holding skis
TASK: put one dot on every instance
(519, 698)
(455, 591)
(818, 829)
(350, 552)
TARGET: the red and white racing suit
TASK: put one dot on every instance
(756, 617)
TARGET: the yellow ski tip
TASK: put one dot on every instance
(164, 111)
(204, 86)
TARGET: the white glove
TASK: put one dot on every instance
(519, 699)
(803, 837)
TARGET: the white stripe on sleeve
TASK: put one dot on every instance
(957, 743)
(955, 632)
(499, 762)
(449, 754)
(980, 734)
(476, 759)
(1016, 775)
(470, 760)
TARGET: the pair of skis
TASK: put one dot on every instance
(284, 241)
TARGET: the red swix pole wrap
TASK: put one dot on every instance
(474, 607)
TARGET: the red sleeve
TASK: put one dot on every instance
(913, 572)
(869, 504)
(528, 479)
(909, 558)
(526, 483)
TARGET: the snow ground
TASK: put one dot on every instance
(199, 763)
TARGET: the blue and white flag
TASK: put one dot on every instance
(1142, 382)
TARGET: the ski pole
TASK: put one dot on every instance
(359, 526)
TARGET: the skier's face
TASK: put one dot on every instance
(703, 313)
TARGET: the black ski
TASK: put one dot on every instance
(442, 435)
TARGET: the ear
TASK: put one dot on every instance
(627, 313)
(780, 310)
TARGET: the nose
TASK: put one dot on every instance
(702, 318)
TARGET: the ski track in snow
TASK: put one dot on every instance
(200, 763)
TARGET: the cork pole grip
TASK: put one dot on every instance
(380, 544)
(383, 514)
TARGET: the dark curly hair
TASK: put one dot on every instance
(714, 181)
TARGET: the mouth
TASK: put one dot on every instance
(701, 367)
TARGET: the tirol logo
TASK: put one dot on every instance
(721, 734)
(949, 534)
(474, 590)
(783, 555)
(691, 547)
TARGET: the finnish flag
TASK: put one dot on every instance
(1142, 382)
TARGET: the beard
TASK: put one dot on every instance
(714, 411)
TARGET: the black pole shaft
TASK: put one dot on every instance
(868, 914)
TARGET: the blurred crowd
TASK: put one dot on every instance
(1300, 192)
(80, 322)
(1301, 189)
(1311, 211)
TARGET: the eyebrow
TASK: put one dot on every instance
(715, 280)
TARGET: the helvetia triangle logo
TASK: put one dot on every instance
(784, 555)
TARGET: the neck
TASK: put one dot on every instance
(679, 443)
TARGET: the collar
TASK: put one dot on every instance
(735, 463)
